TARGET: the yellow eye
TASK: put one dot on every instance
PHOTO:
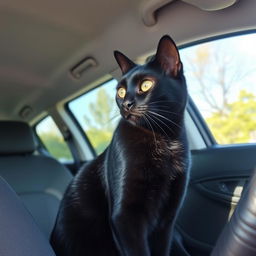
(146, 85)
(121, 92)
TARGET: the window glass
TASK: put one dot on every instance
(97, 113)
(221, 78)
(53, 140)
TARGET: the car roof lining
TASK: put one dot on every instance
(42, 41)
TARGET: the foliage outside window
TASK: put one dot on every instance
(221, 77)
(97, 113)
(53, 140)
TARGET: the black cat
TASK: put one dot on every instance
(125, 201)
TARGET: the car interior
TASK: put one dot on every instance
(57, 88)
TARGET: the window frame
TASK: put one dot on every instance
(201, 124)
(40, 142)
(42, 145)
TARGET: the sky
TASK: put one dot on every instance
(80, 106)
(239, 53)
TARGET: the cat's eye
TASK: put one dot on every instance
(121, 92)
(146, 85)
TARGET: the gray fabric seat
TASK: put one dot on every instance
(19, 235)
(40, 181)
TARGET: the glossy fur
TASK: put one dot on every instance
(125, 202)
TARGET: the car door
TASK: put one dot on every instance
(222, 83)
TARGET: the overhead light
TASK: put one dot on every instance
(25, 112)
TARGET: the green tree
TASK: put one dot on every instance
(238, 123)
(216, 72)
(99, 138)
(56, 145)
(101, 110)
(100, 127)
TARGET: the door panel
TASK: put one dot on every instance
(218, 176)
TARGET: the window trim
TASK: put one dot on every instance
(200, 123)
(40, 142)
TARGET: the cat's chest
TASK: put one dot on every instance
(160, 155)
(140, 149)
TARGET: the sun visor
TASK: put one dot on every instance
(150, 8)
(211, 5)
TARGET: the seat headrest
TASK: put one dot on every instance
(16, 138)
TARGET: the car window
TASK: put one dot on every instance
(97, 114)
(53, 140)
(221, 78)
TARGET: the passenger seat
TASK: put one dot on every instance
(19, 235)
(40, 181)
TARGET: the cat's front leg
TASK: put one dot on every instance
(130, 234)
(161, 239)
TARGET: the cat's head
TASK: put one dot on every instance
(153, 95)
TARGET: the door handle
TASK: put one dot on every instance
(228, 190)
(234, 188)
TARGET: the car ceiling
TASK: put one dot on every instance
(42, 40)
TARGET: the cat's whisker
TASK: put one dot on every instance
(147, 121)
(160, 101)
(163, 101)
(158, 119)
(157, 124)
(112, 118)
(160, 107)
(166, 111)
(137, 113)
(144, 108)
(154, 113)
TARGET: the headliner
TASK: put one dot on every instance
(42, 40)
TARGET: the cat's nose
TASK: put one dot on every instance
(128, 104)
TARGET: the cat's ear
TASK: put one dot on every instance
(124, 62)
(167, 56)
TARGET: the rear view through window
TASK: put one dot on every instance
(221, 78)
(53, 140)
(97, 114)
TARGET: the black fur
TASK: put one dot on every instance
(125, 202)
